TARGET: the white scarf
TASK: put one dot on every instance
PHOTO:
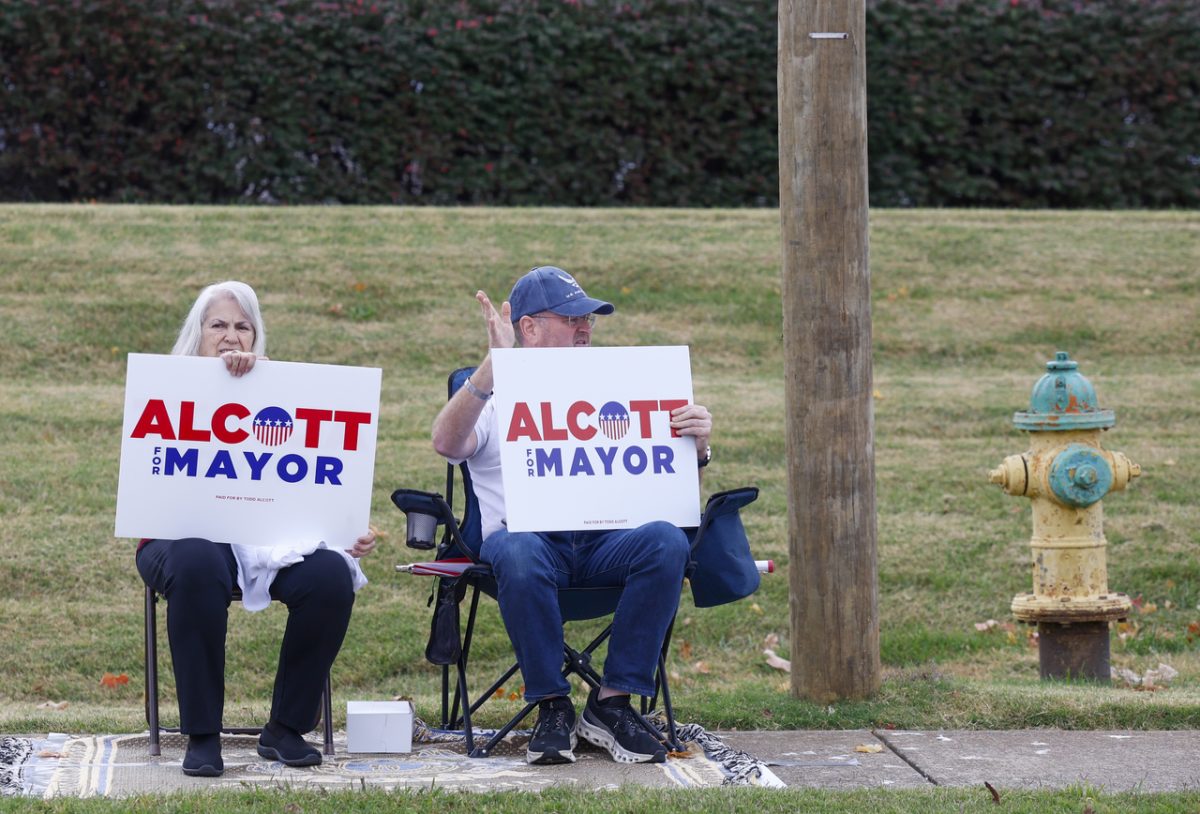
(258, 565)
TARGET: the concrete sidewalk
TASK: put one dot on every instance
(1108, 761)
(1027, 759)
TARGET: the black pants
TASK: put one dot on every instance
(197, 577)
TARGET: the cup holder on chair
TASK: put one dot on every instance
(422, 528)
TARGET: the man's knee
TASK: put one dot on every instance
(669, 542)
(517, 558)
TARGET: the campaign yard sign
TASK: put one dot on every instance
(282, 455)
(586, 441)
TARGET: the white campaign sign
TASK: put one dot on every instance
(282, 455)
(585, 437)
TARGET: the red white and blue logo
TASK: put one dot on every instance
(614, 420)
(272, 426)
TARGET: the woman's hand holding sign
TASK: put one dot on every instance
(364, 545)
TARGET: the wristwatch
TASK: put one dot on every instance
(703, 462)
(475, 391)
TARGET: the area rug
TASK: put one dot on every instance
(120, 766)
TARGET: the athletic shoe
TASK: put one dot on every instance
(553, 738)
(203, 756)
(613, 725)
(278, 742)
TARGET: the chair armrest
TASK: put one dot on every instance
(722, 503)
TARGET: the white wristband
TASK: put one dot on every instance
(475, 391)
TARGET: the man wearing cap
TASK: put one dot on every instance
(548, 309)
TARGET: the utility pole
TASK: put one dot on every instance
(827, 348)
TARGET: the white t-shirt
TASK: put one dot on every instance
(484, 464)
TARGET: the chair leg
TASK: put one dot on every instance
(151, 646)
(486, 749)
(672, 737)
(327, 714)
(461, 692)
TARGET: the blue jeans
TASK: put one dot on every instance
(530, 568)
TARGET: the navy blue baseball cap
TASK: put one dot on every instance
(548, 288)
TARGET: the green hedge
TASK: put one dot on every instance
(584, 102)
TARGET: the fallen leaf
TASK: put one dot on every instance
(112, 681)
(995, 794)
(685, 650)
(757, 608)
(777, 662)
(868, 748)
(772, 639)
(985, 627)
(702, 667)
(512, 696)
(54, 705)
(680, 755)
(49, 753)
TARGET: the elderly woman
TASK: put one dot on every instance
(197, 578)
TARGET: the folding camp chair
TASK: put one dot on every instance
(152, 722)
(449, 645)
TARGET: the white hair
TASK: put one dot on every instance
(188, 343)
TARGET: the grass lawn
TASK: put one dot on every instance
(967, 308)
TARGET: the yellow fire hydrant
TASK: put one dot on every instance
(1065, 474)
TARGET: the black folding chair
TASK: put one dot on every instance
(450, 646)
(152, 722)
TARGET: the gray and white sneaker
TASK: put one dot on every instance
(553, 738)
(612, 724)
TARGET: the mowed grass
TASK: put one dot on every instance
(967, 308)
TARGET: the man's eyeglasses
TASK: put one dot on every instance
(572, 322)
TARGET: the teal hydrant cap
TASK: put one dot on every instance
(1063, 400)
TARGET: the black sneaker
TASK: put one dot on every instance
(613, 725)
(203, 756)
(553, 738)
(282, 743)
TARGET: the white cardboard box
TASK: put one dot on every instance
(379, 726)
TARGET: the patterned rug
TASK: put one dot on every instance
(120, 765)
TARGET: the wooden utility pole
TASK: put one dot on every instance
(827, 349)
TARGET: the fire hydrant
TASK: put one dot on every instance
(1065, 474)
